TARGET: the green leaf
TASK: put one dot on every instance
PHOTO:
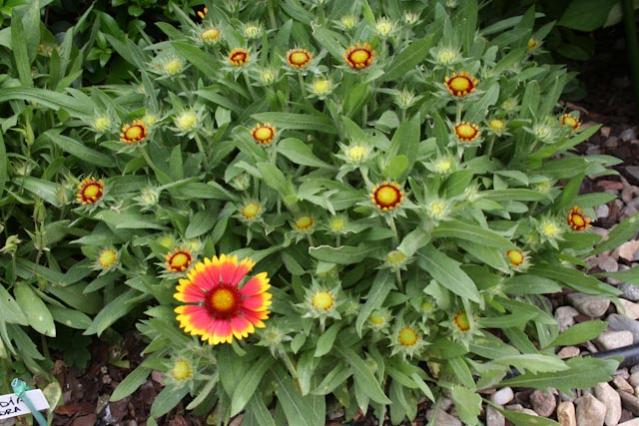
(574, 279)
(79, 150)
(46, 98)
(467, 403)
(447, 273)
(411, 56)
(299, 410)
(19, 49)
(48, 191)
(10, 310)
(534, 363)
(514, 194)
(274, 178)
(127, 220)
(287, 120)
(113, 311)
(3, 165)
(582, 373)
(249, 382)
(70, 317)
(630, 276)
(37, 313)
(299, 153)
(364, 376)
(325, 342)
(203, 61)
(259, 411)
(520, 285)
(473, 233)
(396, 167)
(622, 232)
(200, 224)
(342, 255)
(586, 15)
(382, 285)
(522, 419)
(166, 400)
(131, 383)
(580, 333)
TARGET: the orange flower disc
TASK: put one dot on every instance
(263, 133)
(577, 220)
(466, 132)
(387, 196)
(238, 57)
(133, 133)
(359, 56)
(461, 84)
(90, 191)
(298, 58)
(179, 260)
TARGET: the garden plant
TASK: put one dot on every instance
(301, 204)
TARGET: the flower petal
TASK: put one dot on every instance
(256, 285)
(187, 291)
(260, 302)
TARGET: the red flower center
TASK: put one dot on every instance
(179, 261)
(387, 196)
(238, 57)
(460, 84)
(223, 301)
(299, 58)
(91, 192)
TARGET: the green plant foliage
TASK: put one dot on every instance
(406, 183)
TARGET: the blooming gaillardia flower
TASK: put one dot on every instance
(219, 303)
(387, 196)
(263, 133)
(134, 132)
(239, 56)
(577, 220)
(298, 58)
(89, 191)
(359, 56)
(178, 260)
(461, 84)
(467, 132)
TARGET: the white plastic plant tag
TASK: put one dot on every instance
(12, 406)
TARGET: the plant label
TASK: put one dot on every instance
(12, 406)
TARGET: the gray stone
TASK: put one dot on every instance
(630, 402)
(520, 409)
(544, 403)
(606, 394)
(634, 379)
(565, 316)
(502, 396)
(633, 422)
(615, 339)
(592, 306)
(444, 419)
(630, 309)
(618, 322)
(630, 292)
(568, 352)
(494, 417)
(628, 134)
(590, 411)
(566, 414)
(621, 384)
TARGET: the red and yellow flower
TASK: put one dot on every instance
(569, 120)
(238, 56)
(359, 56)
(89, 191)
(217, 307)
(461, 84)
(467, 132)
(178, 260)
(387, 196)
(134, 132)
(577, 220)
(298, 58)
(263, 133)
